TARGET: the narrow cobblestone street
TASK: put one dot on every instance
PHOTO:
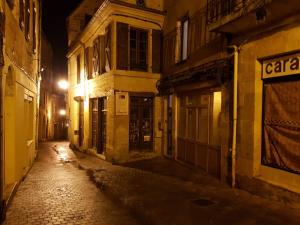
(57, 192)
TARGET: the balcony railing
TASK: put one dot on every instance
(217, 9)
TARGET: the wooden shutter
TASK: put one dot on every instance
(88, 62)
(156, 51)
(102, 54)
(191, 36)
(96, 57)
(108, 48)
(122, 46)
(34, 28)
(27, 19)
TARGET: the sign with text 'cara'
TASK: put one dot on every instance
(281, 66)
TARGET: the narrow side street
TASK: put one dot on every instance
(57, 192)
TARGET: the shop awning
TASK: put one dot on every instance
(218, 70)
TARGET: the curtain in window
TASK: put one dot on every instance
(282, 125)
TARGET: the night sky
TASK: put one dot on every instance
(54, 17)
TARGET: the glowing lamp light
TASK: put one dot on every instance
(62, 112)
(63, 84)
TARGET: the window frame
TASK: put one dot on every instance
(138, 66)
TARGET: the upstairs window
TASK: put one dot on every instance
(132, 48)
(138, 49)
(184, 39)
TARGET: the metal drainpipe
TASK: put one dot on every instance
(234, 128)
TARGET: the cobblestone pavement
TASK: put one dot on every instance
(167, 193)
(56, 192)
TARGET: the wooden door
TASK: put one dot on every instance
(81, 123)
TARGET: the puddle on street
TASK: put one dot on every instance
(62, 155)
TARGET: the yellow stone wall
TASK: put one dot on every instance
(19, 78)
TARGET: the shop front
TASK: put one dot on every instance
(281, 113)
(199, 130)
(268, 143)
(196, 114)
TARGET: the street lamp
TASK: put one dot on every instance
(62, 112)
(63, 84)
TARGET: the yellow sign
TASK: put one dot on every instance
(282, 66)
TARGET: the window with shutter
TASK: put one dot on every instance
(132, 48)
(156, 51)
(138, 49)
(122, 46)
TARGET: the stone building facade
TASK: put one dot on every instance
(196, 89)
(114, 65)
(226, 100)
(266, 34)
(20, 72)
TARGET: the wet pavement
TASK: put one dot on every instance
(164, 192)
(154, 192)
(56, 192)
